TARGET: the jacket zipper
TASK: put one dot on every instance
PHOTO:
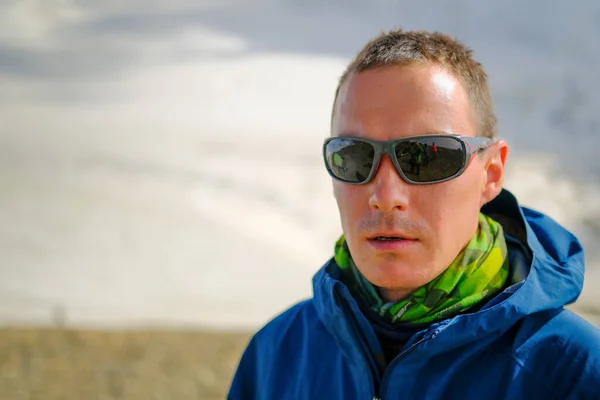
(396, 360)
(378, 389)
(354, 329)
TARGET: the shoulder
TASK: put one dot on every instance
(274, 352)
(288, 324)
(297, 332)
(562, 350)
(291, 322)
(561, 330)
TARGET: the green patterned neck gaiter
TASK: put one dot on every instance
(479, 272)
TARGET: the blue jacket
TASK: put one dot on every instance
(520, 345)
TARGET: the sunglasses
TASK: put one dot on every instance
(419, 160)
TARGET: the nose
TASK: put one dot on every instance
(390, 191)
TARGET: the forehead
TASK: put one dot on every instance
(397, 101)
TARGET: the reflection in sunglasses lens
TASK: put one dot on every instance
(350, 160)
(430, 159)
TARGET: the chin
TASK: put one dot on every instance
(398, 276)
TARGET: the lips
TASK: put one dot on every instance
(391, 242)
(380, 236)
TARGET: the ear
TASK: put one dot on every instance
(494, 171)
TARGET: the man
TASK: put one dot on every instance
(442, 286)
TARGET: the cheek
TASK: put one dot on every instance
(349, 205)
(353, 205)
(433, 204)
(451, 209)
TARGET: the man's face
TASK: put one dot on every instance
(439, 219)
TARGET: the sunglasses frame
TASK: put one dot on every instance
(469, 144)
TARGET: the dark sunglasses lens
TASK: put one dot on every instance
(430, 159)
(349, 160)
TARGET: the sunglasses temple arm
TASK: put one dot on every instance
(478, 143)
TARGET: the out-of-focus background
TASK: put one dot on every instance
(162, 193)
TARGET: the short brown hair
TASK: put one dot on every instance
(403, 48)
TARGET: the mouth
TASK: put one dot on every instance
(387, 238)
(391, 242)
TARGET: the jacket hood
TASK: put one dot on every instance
(552, 278)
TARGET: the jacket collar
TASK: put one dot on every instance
(555, 278)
